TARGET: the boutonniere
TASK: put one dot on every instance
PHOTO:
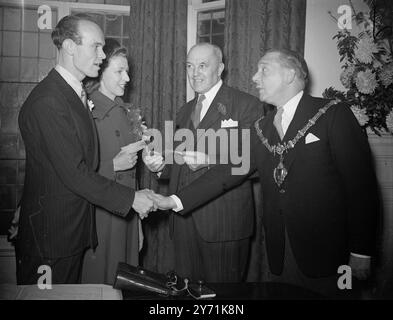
(222, 109)
(90, 104)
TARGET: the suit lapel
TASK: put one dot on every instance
(77, 108)
(213, 115)
(183, 121)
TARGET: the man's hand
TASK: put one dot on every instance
(154, 161)
(143, 203)
(360, 266)
(195, 160)
(162, 202)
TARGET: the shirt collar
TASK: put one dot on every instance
(75, 84)
(211, 94)
(291, 105)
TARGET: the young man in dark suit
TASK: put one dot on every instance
(211, 243)
(319, 190)
(57, 222)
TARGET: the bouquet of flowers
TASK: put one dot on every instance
(367, 72)
(134, 117)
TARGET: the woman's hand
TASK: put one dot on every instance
(124, 160)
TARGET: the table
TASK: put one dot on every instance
(60, 292)
(224, 291)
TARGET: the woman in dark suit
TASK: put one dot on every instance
(119, 240)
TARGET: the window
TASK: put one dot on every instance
(27, 53)
(114, 25)
(211, 24)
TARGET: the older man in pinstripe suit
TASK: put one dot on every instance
(211, 243)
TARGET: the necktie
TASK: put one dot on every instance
(197, 111)
(277, 122)
(83, 96)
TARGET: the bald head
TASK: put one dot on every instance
(204, 66)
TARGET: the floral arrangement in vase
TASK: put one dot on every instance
(367, 68)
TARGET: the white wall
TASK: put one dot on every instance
(320, 49)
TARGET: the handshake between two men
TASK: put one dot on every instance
(147, 200)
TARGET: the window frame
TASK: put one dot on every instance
(64, 8)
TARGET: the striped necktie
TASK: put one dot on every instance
(84, 97)
(197, 111)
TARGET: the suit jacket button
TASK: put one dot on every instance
(117, 132)
(282, 191)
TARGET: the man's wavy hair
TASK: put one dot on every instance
(68, 28)
(293, 60)
(112, 49)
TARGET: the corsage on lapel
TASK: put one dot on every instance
(226, 123)
(90, 104)
(222, 109)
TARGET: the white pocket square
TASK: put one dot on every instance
(311, 138)
(228, 123)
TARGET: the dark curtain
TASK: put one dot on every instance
(252, 27)
(158, 49)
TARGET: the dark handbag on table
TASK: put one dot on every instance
(137, 282)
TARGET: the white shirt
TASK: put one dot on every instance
(74, 83)
(209, 97)
(289, 111)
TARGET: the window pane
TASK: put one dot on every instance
(30, 20)
(99, 19)
(218, 22)
(9, 70)
(11, 43)
(218, 40)
(47, 48)
(203, 39)
(114, 38)
(29, 44)
(29, 70)
(211, 26)
(204, 27)
(113, 25)
(12, 18)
